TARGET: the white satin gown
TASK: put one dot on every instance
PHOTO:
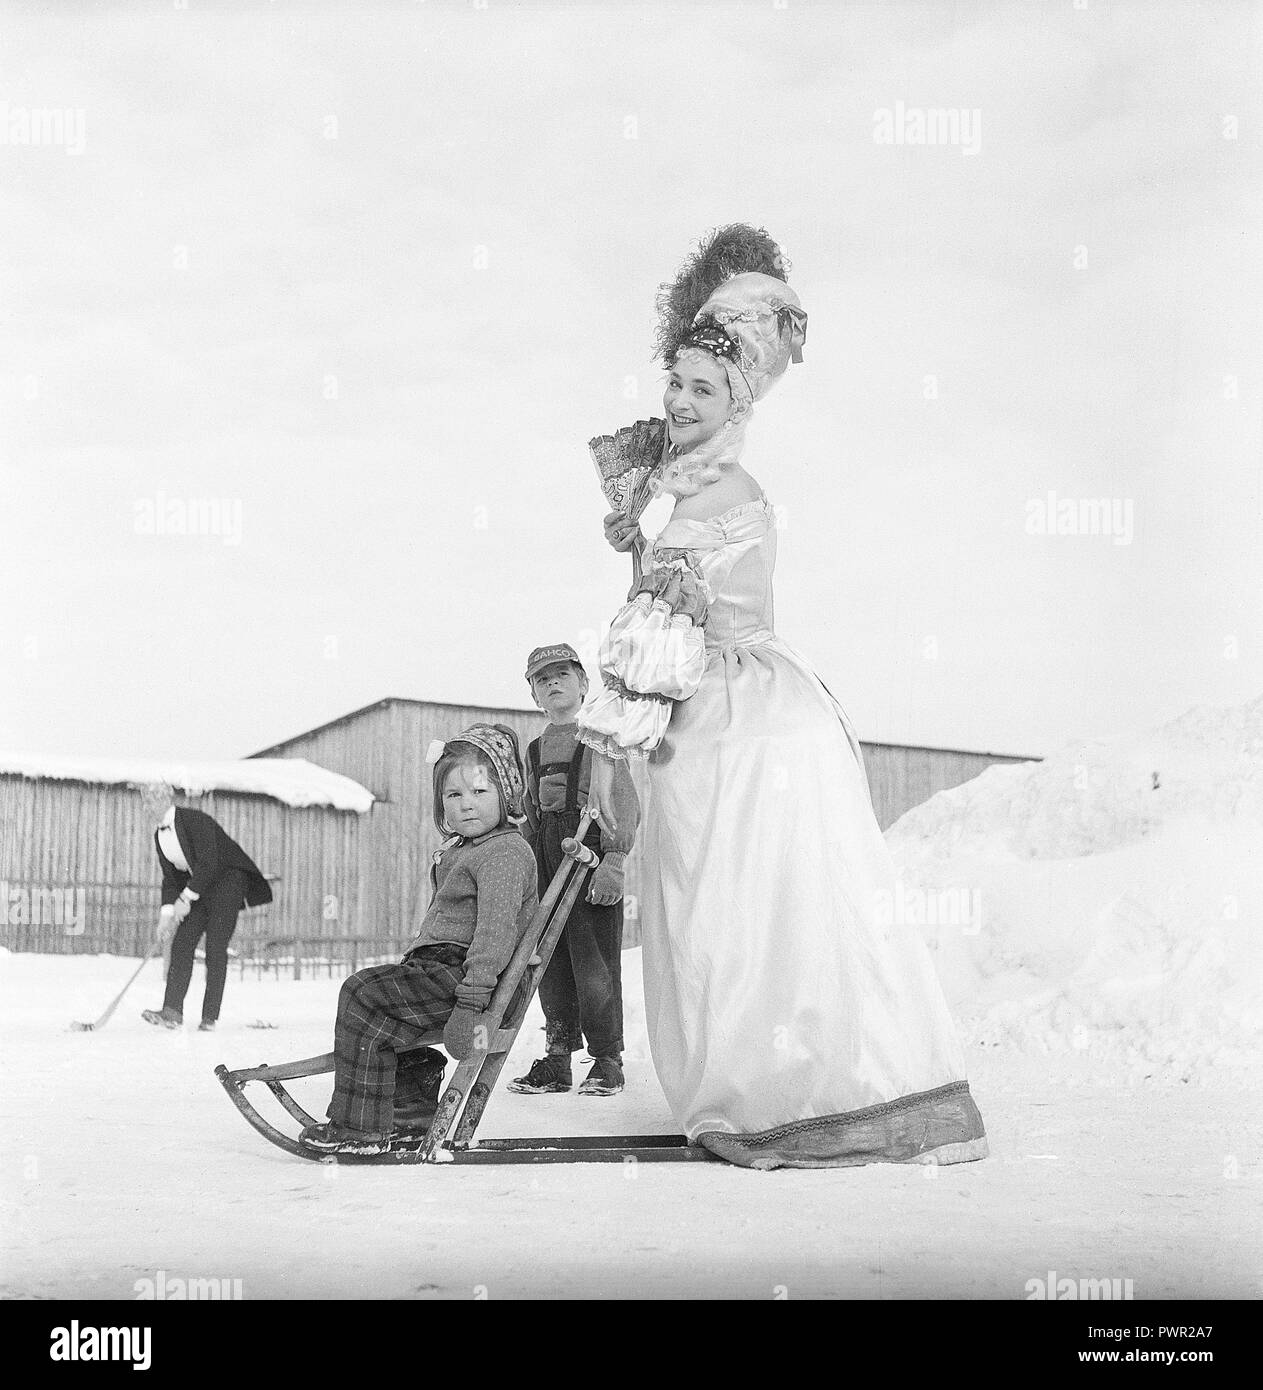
(791, 1022)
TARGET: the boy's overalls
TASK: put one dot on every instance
(582, 989)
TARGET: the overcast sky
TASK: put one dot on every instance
(369, 276)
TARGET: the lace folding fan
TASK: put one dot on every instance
(626, 462)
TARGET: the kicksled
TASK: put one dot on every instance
(451, 1135)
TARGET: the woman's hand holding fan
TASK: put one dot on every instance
(621, 533)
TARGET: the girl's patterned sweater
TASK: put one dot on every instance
(485, 896)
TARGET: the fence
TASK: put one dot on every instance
(117, 919)
(79, 874)
(330, 957)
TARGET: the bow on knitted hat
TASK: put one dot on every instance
(499, 743)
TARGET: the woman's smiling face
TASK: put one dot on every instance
(697, 400)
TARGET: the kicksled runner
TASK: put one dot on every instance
(450, 1137)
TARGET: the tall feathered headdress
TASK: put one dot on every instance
(728, 251)
(730, 299)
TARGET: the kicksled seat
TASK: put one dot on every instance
(451, 1135)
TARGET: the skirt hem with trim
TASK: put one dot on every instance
(941, 1126)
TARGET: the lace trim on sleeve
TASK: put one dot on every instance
(619, 687)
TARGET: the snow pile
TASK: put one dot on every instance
(291, 780)
(1107, 900)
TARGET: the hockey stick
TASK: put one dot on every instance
(105, 1017)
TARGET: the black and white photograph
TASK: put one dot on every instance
(633, 646)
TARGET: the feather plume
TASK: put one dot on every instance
(733, 250)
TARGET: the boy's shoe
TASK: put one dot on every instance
(413, 1119)
(164, 1018)
(207, 1025)
(605, 1078)
(333, 1137)
(548, 1075)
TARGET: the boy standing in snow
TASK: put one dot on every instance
(582, 989)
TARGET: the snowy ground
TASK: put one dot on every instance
(123, 1157)
(1096, 920)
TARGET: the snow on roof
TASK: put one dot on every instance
(293, 781)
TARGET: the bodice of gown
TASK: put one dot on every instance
(654, 653)
(736, 554)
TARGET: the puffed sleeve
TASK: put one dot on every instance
(653, 655)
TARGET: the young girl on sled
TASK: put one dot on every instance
(484, 898)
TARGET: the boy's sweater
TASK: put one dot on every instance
(485, 897)
(557, 744)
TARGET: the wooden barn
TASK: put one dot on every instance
(383, 746)
(78, 870)
(901, 776)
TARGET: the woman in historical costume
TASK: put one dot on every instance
(792, 1021)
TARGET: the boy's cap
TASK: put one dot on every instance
(546, 656)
